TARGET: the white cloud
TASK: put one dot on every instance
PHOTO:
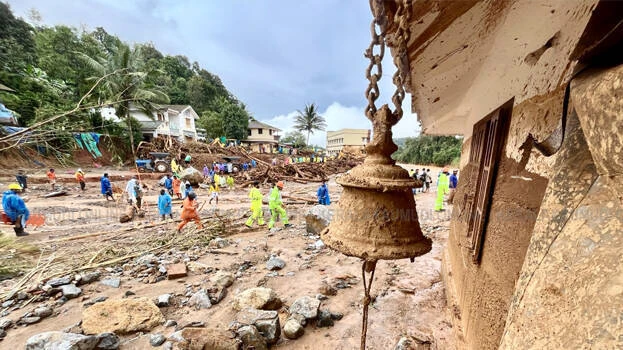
(346, 117)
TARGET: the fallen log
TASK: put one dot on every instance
(307, 200)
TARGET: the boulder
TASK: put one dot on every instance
(70, 291)
(61, 341)
(325, 319)
(222, 279)
(43, 311)
(251, 338)
(108, 341)
(293, 329)
(157, 339)
(192, 175)
(200, 300)
(257, 298)
(208, 338)
(274, 263)
(317, 219)
(121, 316)
(306, 307)
(267, 322)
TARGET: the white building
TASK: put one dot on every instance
(176, 121)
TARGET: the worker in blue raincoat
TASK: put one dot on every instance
(106, 187)
(165, 205)
(323, 194)
(15, 209)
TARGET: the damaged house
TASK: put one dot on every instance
(535, 254)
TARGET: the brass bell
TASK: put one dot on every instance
(376, 217)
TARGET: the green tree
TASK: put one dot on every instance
(296, 138)
(227, 118)
(425, 149)
(212, 122)
(309, 120)
(124, 85)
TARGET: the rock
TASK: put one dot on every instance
(219, 242)
(319, 244)
(170, 323)
(70, 291)
(208, 338)
(43, 311)
(298, 318)
(217, 295)
(113, 282)
(337, 315)
(95, 301)
(75, 328)
(324, 319)
(147, 259)
(167, 346)
(29, 320)
(8, 303)
(2, 334)
(57, 282)
(5, 323)
(61, 341)
(121, 316)
(200, 300)
(108, 341)
(89, 277)
(414, 342)
(164, 300)
(305, 306)
(267, 322)
(274, 263)
(257, 298)
(222, 279)
(176, 271)
(317, 219)
(292, 329)
(251, 338)
(157, 339)
(326, 289)
(191, 175)
(128, 293)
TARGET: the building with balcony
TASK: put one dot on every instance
(262, 138)
(175, 121)
(351, 140)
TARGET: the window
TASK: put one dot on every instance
(270, 132)
(249, 131)
(188, 123)
(488, 139)
(160, 117)
(260, 131)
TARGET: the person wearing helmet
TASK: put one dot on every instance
(275, 204)
(80, 178)
(189, 212)
(256, 206)
(106, 187)
(443, 185)
(15, 208)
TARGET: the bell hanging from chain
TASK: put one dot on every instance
(376, 216)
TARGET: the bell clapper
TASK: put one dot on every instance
(368, 266)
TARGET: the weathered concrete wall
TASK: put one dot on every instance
(570, 291)
(481, 293)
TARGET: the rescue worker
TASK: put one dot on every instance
(442, 189)
(230, 182)
(189, 212)
(213, 192)
(187, 189)
(80, 178)
(454, 181)
(15, 209)
(275, 204)
(323, 194)
(187, 160)
(130, 190)
(217, 181)
(51, 178)
(168, 184)
(256, 206)
(177, 183)
(165, 205)
(174, 167)
(106, 187)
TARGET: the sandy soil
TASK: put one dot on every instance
(409, 296)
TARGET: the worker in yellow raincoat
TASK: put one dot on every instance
(256, 206)
(443, 188)
(275, 204)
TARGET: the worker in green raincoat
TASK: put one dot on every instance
(443, 187)
(275, 204)
(256, 206)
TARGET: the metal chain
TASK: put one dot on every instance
(401, 38)
(369, 266)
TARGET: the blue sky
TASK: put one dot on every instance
(275, 55)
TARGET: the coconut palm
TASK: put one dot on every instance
(309, 120)
(124, 85)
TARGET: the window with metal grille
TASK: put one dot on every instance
(488, 140)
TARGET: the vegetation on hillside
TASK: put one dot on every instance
(52, 68)
(434, 150)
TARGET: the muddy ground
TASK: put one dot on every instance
(409, 297)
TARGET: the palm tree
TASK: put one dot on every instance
(309, 120)
(125, 84)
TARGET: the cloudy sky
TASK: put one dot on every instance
(275, 55)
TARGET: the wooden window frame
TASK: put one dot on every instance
(487, 145)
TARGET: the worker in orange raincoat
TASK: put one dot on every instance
(177, 183)
(189, 212)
